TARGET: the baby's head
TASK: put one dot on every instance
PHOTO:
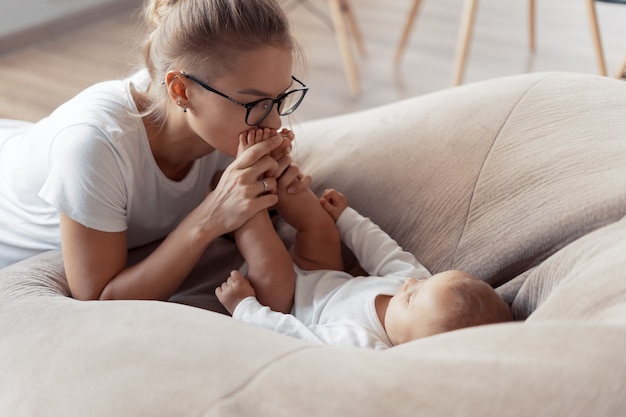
(446, 301)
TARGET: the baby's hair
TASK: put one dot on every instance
(205, 38)
(473, 303)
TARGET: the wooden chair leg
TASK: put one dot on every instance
(595, 33)
(353, 25)
(465, 37)
(406, 31)
(344, 44)
(531, 24)
(621, 71)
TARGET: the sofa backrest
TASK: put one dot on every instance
(492, 177)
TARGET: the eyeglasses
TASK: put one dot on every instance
(258, 110)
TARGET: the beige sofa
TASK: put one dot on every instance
(519, 180)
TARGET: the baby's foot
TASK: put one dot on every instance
(249, 138)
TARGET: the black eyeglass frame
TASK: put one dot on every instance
(248, 106)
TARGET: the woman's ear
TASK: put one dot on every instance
(176, 87)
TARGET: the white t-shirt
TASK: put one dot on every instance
(91, 160)
(332, 307)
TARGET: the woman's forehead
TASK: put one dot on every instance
(264, 72)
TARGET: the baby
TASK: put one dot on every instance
(398, 302)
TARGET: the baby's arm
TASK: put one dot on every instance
(270, 267)
(237, 295)
(376, 251)
(317, 244)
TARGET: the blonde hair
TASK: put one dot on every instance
(205, 37)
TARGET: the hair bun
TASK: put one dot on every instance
(157, 10)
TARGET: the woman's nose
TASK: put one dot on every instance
(272, 120)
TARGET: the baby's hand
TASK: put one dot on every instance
(334, 203)
(234, 290)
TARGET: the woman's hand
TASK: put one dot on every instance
(287, 172)
(282, 153)
(240, 193)
(292, 181)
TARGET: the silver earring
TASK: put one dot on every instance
(185, 108)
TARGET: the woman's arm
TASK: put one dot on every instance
(95, 261)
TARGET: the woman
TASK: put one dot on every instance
(129, 162)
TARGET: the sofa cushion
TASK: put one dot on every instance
(585, 281)
(491, 178)
(61, 357)
(518, 180)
